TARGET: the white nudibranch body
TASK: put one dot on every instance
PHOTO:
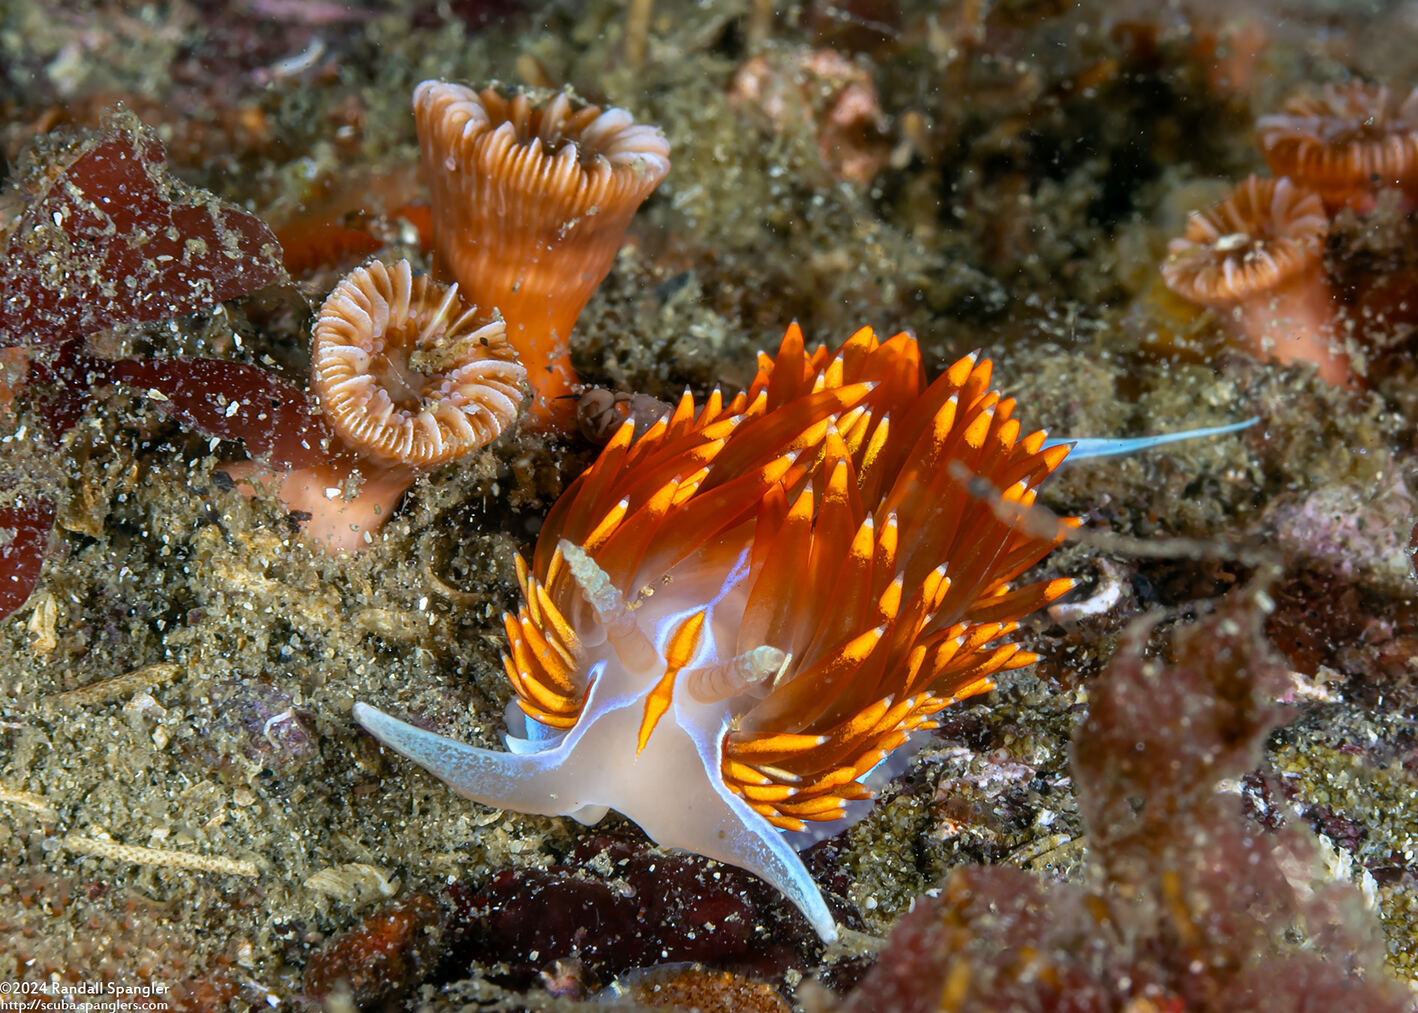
(670, 786)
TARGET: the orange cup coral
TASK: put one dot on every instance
(408, 379)
(406, 374)
(732, 620)
(530, 203)
(1257, 259)
(1346, 143)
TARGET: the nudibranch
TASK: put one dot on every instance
(1257, 259)
(1346, 143)
(408, 377)
(530, 204)
(732, 620)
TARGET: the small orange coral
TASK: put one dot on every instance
(530, 203)
(1257, 258)
(825, 94)
(407, 380)
(405, 374)
(1346, 143)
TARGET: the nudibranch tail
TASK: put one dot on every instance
(1085, 448)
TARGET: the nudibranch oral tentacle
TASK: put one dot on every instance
(733, 624)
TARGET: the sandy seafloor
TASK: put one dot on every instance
(1011, 187)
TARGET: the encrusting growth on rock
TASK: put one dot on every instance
(1191, 904)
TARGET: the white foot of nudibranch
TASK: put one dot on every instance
(671, 788)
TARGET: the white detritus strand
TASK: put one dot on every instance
(1106, 597)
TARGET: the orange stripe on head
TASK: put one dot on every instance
(682, 646)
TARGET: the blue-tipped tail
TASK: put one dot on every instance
(1085, 448)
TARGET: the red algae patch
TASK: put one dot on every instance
(1201, 910)
(110, 239)
(274, 419)
(115, 239)
(22, 555)
(617, 905)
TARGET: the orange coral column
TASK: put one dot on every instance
(530, 203)
(1346, 143)
(1257, 258)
